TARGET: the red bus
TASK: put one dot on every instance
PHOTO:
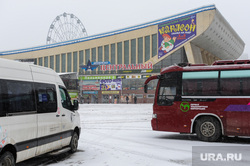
(211, 101)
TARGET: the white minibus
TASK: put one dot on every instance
(36, 113)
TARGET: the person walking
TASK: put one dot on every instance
(88, 99)
(135, 99)
(127, 99)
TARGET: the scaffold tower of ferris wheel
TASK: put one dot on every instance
(65, 27)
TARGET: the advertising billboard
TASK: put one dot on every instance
(172, 34)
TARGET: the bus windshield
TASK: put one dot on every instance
(167, 89)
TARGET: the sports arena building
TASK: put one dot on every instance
(115, 64)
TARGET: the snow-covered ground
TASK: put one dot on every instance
(121, 135)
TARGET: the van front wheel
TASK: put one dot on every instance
(74, 143)
(7, 159)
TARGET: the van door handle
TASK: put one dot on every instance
(57, 115)
(63, 114)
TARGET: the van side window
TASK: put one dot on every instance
(18, 96)
(65, 99)
(46, 97)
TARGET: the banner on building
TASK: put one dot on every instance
(132, 76)
(172, 34)
(148, 65)
(90, 85)
(90, 92)
(96, 77)
(111, 84)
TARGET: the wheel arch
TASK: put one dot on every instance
(198, 116)
(9, 148)
(78, 131)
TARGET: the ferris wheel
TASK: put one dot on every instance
(65, 27)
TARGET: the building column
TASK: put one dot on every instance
(193, 53)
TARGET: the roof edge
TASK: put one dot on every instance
(111, 33)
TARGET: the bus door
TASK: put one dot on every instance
(168, 101)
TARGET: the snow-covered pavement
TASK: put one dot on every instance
(121, 135)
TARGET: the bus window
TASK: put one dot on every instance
(168, 89)
(202, 83)
(235, 83)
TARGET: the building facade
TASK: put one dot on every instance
(115, 64)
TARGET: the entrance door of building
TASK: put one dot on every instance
(105, 98)
(115, 99)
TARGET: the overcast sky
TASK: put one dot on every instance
(25, 23)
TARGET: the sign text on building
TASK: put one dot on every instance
(149, 65)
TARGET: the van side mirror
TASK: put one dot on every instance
(146, 88)
(75, 105)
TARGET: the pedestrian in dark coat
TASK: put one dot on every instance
(127, 99)
(135, 99)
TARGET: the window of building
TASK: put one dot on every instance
(150, 95)
(75, 63)
(100, 54)
(126, 52)
(119, 53)
(133, 84)
(46, 61)
(106, 53)
(179, 56)
(40, 60)
(140, 50)
(139, 96)
(63, 60)
(112, 53)
(51, 61)
(147, 48)
(69, 62)
(87, 55)
(46, 97)
(57, 63)
(154, 45)
(133, 51)
(81, 61)
(93, 54)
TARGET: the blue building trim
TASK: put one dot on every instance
(107, 34)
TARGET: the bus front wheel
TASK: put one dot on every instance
(208, 129)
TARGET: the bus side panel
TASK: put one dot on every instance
(238, 115)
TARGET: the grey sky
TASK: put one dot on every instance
(25, 23)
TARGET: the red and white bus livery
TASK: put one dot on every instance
(211, 101)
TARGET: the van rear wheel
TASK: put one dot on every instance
(7, 159)
(208, 129)
(74, 143)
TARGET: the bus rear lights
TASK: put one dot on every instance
(185, 125)
(154, 116)
(238, 129)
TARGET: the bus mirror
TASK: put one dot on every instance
(75, 105)
(146, 88)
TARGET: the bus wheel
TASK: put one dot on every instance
(208, 129)
(7, 159)
(74, 143)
